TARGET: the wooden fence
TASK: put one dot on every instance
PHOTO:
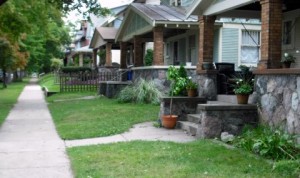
(85, 81)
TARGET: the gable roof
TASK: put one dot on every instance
(209, 7)
(102, 35)
(155, 15)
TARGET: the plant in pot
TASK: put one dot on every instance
(287, 60)
(177, 82)
(191, 88)
(243, 88)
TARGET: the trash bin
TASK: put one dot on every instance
(129, 75)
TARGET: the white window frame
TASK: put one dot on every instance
(241, 45)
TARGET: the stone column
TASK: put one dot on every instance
(80, 59)
(206, 41)
(138, 51)
(95, 57)
(158, 46)
(123, 53)
(108, 54)
(271, 34)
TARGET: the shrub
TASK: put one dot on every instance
(269, 143)
(149, 57)
(141, 92)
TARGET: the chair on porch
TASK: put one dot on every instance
(225, 77)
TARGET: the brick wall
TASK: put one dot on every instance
(138, 51)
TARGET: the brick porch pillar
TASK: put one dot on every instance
(271, 34)
(108, 54)
(95, 57)
(138, 51)
(123, 55)
(206, 40)
(158, 46)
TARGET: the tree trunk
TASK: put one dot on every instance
(4, 78)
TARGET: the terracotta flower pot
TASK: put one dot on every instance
(169, 121)
(242, 98)
(192, 92)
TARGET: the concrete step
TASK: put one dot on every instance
(227, 98)
(195, 118)
(190, 127)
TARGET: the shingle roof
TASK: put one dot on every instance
(107, 33)
(163, 13)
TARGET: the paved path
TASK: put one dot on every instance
(144, 131)
(29, 144)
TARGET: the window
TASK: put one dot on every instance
(287, 33)
(250, 47)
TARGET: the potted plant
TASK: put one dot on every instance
(169, 120)
(287, 60)
(191, 88)
(243, 88)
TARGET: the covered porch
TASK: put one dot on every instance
(277, 90)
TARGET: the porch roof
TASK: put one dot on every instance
(102, 35)
(154, 15)
(84, 49)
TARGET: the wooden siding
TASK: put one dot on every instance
(137, 23)
(216, 45)
(230, 45)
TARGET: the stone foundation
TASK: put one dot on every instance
(182, 106)
(278, 94)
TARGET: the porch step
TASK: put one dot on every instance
(190, 127)
(195, 118)
(227, 98)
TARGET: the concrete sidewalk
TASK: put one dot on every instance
(143, 131)
(29, 144)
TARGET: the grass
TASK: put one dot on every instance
(202, 158)
(48, 81)
(99, 117)
(9, 96)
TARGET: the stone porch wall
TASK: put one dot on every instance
(159, 75)
(278, 94)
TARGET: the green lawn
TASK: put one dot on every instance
(202, 158)
(98, 117)
(9, 96)
(48, 82)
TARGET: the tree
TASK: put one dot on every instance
(6, 57)
(66, 6)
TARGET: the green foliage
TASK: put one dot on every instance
(141, 92)
(191, 85)
(75, 69)
(289, 168)
(269, 143)
(179, 80)
(102, 55)
(56, 64)
(244, 82)
(149, 57)
(288, 58)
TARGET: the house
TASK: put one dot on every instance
(277, 90)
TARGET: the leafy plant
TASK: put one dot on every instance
(149, 57)
(244, 82)
(288, 58)
(191, 85)
(269, 143)
(56, 63)
(141, 92)
(179, 80)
